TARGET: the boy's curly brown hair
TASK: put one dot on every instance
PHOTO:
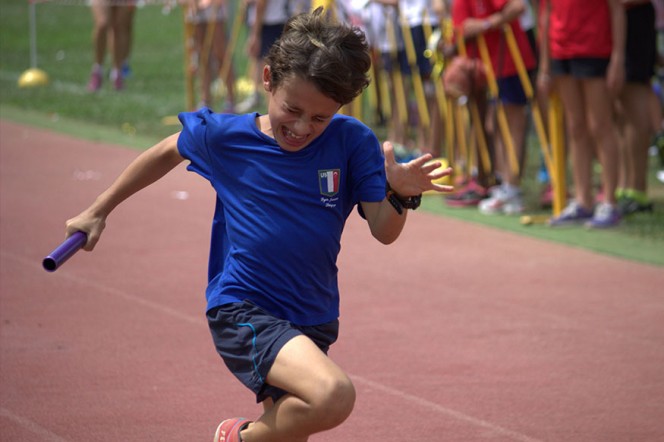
(333, 56)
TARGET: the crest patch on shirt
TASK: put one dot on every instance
(328, 181)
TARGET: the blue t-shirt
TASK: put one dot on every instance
(279, 215)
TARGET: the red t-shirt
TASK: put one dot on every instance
(501, 59)
(580, 29)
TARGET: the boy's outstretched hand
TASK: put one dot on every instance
(414, 177)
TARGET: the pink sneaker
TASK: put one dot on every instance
(469, 195)
(229, 430)
(116, 78)
(95, 81)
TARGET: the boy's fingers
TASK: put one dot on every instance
(388, 151)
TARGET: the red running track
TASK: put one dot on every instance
(455, 333)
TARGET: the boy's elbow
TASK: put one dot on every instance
(385, 241)
(386, 238)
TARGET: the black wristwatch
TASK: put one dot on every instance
(399, 202)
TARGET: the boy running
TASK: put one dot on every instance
(286, 182)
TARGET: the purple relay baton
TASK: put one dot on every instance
(64, 251)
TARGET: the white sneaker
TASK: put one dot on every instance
(502, 201)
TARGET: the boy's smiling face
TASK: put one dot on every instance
(297, 112)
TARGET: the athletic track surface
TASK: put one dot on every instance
(455, 333)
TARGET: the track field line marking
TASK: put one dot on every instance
(120, 294)
(31, 426)
(444, 410)
(376, 385)
(111, 291)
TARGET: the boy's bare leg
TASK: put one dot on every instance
(322, 396)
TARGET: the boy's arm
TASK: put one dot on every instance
(405, 179)
(147, 168)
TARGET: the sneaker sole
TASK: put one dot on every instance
(218, 435)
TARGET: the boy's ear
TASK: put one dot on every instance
(267, 83)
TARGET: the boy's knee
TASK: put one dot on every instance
(337, 401)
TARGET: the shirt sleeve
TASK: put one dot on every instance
(192, 142)
(368, 168)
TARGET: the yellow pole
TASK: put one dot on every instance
(528, 90)
(231, 45)
(481, 139)
(372, 92)
(475, 113)
(436, 73)
(326, 4)
(204, 56)
(500, 110)
(422, 107)
(556, 129)
(384, 91)
(449, 131)
(398, 82)
(188, 54)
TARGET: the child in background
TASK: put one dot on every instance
(634, 107)
(473, 18)
(115, 22)
(208, 18)
(286, 183)
(582, 55)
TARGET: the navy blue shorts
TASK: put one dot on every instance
(582, 67)
(510, 90)
(420, 44)
(248, 339)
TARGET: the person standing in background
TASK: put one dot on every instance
(210, 45)
(635, 115)
(582, 55)
(487, 18)
(117, 22)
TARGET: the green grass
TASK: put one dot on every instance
(156, 90)
(639, 239)
(65, 53)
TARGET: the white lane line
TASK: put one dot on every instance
(29, 425)
(496, 429)
(376, 385)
